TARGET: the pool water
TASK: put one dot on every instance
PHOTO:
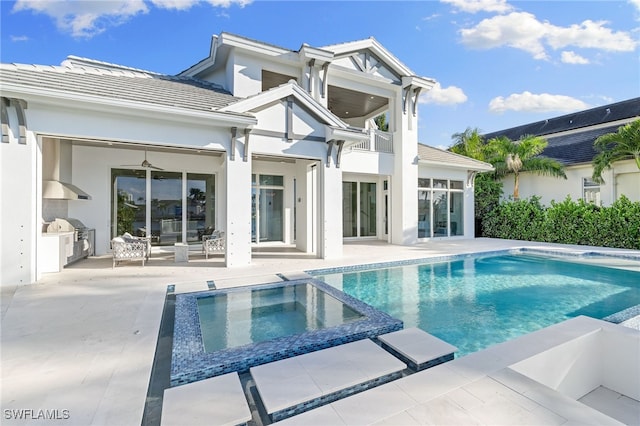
(476, 302)
(236, 319)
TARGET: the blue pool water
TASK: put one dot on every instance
(476, 302)
(235, 319)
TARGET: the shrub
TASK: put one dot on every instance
(566, 222)
(516, 219)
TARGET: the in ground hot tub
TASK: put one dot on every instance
(221, 331)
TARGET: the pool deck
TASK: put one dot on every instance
(79, 345)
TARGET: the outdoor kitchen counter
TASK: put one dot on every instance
(54, 250)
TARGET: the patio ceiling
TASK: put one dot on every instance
(347, 103)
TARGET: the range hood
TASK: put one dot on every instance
(57, 190)
(56, 172)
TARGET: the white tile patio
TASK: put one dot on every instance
(290, 382)
(418, 346)
(83, 340)
(199, 403)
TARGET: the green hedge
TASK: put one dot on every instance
(566, 222)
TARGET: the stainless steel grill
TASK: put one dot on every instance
(83, 237)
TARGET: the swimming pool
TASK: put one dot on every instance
(477, 301)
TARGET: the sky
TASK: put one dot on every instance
(497, 63)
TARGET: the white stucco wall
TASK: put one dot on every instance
(19, 206)
(622, 178)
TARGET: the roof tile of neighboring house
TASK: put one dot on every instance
(571, 136)
(575, 148)
(121, 83)
(429, 153)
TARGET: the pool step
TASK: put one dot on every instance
(295, 385)
(417, 348)
(219, 400)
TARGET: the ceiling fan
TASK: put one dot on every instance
(145, 164)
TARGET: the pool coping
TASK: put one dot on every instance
(617, 318)
(190, 362)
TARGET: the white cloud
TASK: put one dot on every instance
(519, 30)
(187, 4)
(85, 19)
(175, 4)
(522, 30)
(570, 57)
(451, 95)
(19, 38)
(475, 6)
(530, 102)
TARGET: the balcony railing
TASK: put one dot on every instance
(379, 141)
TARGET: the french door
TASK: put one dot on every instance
(267, 208)
(359, 209)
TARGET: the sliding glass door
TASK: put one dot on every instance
(128, 202)
(181, 206)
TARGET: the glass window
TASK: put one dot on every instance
(271, 180)
(424, 214)
(441, 210)
(456, 213)
(367, 209)
(590, 191)
(440, 184)
(456, 184)
(350, 209)
(128, 202)
(424, 183)
(166, 207)
(267, 208)
(200, 206)
(440, 213)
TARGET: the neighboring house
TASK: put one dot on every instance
(571, 139)
(273, 146)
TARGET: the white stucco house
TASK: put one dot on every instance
(270, 145)
(571, 137)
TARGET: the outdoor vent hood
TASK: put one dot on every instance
(56, 166)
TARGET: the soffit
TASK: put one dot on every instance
(346, 103)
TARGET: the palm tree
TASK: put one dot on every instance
(470, 143)
(612, 147)
(523, 155)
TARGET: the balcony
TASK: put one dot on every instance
(379, 141)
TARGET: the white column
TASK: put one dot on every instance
(237, 185)
(469, 212)
(331, 208)
(404, 182)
